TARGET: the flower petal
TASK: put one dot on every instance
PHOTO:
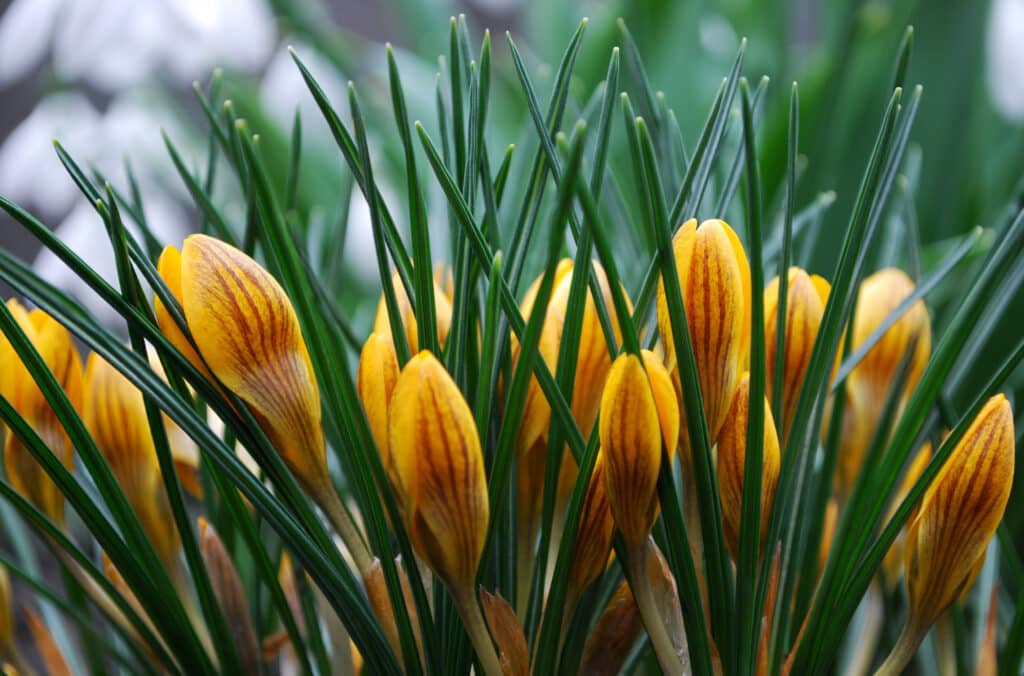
(249, 336)
(436, 452)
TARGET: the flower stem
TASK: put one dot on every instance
(469, 609)
(330, 503)
(639, 581)
(910, 638)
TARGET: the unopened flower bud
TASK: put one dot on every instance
(439, 466)
(375, 382)
(714, 279)
(639, 414)
(55, 346)
(732, 458)
(806, 296)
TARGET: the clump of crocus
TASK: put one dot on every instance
(439, 468)
(732, 458)
(806, 296)
(248, 337)
(946, 541)
(870, 382)
(17, 386)
(639, 423)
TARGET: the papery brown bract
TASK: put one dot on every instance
(380, 603)
(612, 638)
(440, 471)
(232, 598)
(507, 631)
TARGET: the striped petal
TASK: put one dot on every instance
(593, 538)
(439, 465)
(249, 336)
(57, 349)
(375, 382)
(892, 565)
(115, 415)
(631, 442)
(714, 279)
(732, 457)
(806, 296)
(959, 514)
(442, 308)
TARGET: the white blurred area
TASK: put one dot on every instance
(132, 55)
(1006, 58)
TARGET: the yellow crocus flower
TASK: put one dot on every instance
(55, 346)
(958, 515)
(806, 296)
(714, 279)
(732, 456)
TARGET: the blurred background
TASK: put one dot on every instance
(106, 76)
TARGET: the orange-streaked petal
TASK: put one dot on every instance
(892, 565)
(959, 514)
(375, 382)
(169, 268)
(593, 537)
(436, 452)
(248, 334)
(115, 415)
(732, 457)
(631, 443)
(442, 309)
(714, 279)
(56, 347)
(806, 296)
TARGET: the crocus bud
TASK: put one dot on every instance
(639, 414)
(875, 375)
(375, 382)
(115, 415)
(169, 268)
(732, 457)
(249, 336)
(439, 469)
(957, 518)
(879, 295)
(507, 631)
(442, 308)
(231, 595)
(960, 512)
(806, 296)
(892, 565)
(55, 346)
(714, 279)
(593, 538)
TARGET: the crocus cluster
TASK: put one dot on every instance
(236, 325)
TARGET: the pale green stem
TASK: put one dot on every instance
(476, 627)
(669, 660)
(910, 638)
(330, 503)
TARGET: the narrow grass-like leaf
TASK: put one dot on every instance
(748, 613)
(793, 140)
